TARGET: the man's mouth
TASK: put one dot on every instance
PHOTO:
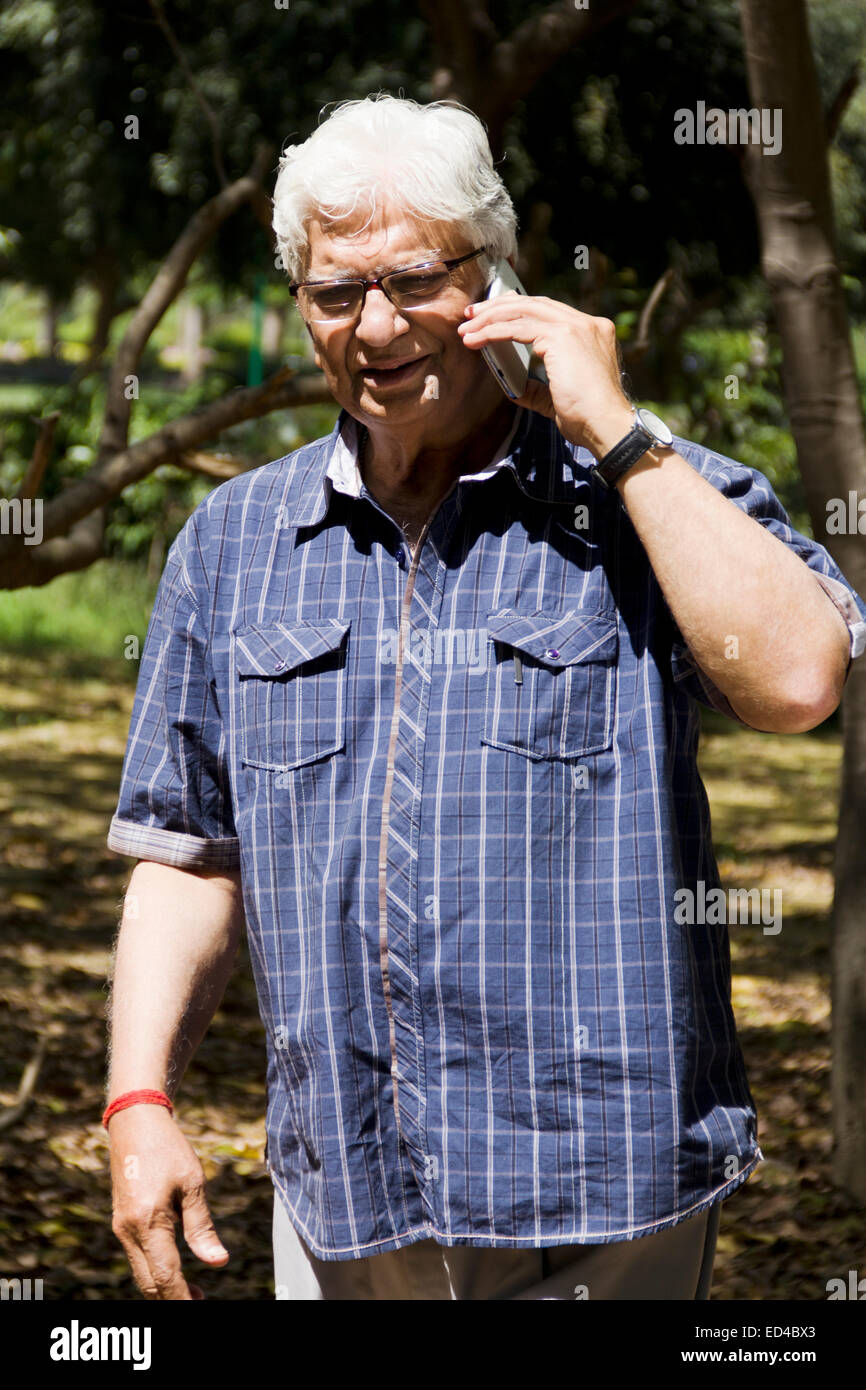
(393, 373)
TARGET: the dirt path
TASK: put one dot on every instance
(61, 742)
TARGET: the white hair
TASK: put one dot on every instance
(432, 161)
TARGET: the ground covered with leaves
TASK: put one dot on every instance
(784, 1234)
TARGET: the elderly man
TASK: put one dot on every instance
(420, 702)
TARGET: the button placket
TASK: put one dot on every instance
(399, 853)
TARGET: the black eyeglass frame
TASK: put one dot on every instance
(379, 281)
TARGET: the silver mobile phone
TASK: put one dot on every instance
(512, 363)
(508, 361)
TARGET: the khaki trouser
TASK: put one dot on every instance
(672, 1264)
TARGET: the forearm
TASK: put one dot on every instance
(177, 944)
(751, 612)
(753, 615)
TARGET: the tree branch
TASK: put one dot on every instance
(536, 44)
(28, 566)
(41, 454)
(490, 74)
(839, 104)
(463, 36)
(213, 124)
(74, 521)
(213, 465)
(75, 551)
(263, 207)
(641, 339)
(29, 1077)
(106, 480)
(164, 288)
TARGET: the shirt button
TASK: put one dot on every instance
(399, 554)
(552, 652)
(278, 665)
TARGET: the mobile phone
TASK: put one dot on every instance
(508, 361)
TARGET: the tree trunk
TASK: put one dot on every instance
(791, 191)
(106, 282)
(273, 331)
(489, 71)
(46, 341)
(155, 556)
(191, 317)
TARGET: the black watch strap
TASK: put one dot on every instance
(624, 455)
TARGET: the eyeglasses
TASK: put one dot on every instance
(327, 301)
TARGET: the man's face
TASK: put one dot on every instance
(379, 365)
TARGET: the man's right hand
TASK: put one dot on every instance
(157, 1177)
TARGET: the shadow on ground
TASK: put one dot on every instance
(62, 733)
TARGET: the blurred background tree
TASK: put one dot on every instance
(92, 213)
(138, 148)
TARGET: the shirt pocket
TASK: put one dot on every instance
(551, 683)
(292, 692)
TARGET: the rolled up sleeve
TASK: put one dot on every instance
(174, 804)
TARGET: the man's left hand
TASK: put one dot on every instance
(584, 393)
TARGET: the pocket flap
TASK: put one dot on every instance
(272, 649)
(557, 639)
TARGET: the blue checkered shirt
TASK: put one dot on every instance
(461, 790)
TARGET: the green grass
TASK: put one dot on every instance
(21, 399)
(86, 617)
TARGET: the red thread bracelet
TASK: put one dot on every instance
(137, 1098)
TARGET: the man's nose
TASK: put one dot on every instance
(380, 321)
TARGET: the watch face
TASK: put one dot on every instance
(656, 427)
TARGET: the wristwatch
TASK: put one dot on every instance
(647, 430)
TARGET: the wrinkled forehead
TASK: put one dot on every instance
(376, 244)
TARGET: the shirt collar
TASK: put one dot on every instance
(544, 465)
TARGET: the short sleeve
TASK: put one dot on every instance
(174, 804)
(751, 491)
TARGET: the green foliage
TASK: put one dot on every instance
(87, 617)
(838, 29)
(729, 391)
(87, 198)
(86, 204)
